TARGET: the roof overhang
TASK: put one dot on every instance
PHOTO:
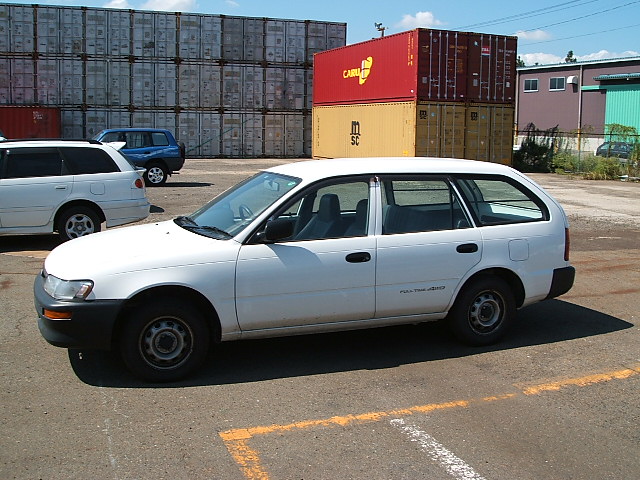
(617, 76)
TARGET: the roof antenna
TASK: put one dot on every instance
(380, 28)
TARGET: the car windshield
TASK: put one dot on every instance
(231, 212)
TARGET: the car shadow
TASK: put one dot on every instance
(258, 360)
(184, 184)
(28, 243)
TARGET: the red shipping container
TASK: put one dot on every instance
(418, 65)
(30, 122)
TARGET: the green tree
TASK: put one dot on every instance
(570, 58)
(520, 62)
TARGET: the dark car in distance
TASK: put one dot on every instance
(615, 149)
(154, 149)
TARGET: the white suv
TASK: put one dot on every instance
(313, 247)
(71, 187)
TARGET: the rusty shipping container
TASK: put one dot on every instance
(479, 131)
(30, 122)
(418, 65)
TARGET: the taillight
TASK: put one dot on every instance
(567, 244)
(138, 183)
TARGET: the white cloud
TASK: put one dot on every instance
(232, 3)
(170, 5)
(605, 54)
(538, 35)
(419, 20)
(540, 58)
(118, 4)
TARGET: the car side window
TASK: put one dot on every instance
(137, 140)
(331, 211)
(32, 162)
(81, 160)
(159, 139)
(420, 206)
(499, 201)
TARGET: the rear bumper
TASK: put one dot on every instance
(562, 281)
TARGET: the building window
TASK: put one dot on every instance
(531, 85)
(556, 83)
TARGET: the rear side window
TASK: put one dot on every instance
(499, 201)
(159, 139)
(31, 162)
(420, 206)
(83, 160)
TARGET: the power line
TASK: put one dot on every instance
(530, 14)
(583, 35)
(583, 16)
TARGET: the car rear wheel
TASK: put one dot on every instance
(155, 175)
(483, 311)
(77, 222)
(165, 341)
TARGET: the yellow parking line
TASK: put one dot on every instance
(236, 440)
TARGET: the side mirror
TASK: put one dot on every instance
(278, 229)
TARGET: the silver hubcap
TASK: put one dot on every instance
(79, 225)
(165, 343)
(155, 174)
(485, 313)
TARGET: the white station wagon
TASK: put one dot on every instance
(310, 247)
(67, 186)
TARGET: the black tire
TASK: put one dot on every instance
(483, 311)
(155, 175)
(164, 341)
(75, 222)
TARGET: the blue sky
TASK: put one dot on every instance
(547, 30)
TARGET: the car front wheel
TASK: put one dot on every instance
(483, 311)
(155, 175)
(165, 341)
(77, 222)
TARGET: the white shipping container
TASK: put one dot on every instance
(96, 83)
(48, 30)
(47, 81)
(207, 145)
(72, 122)
(71, 35)
(71, 81)
(119, 83)
(96, 32)
(165, 85)
(5, 96)
(143, 84)
(232, 86)
(253, 87)
(165, 35)
(119, 32)
(210, 35)
(22, 81)
(21, 21)
(274, 135)
(252, 135)
(144, 34)
(210, 86)
(4, 29)
(189, 80)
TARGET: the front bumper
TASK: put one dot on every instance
(561, 282)
(91, 324)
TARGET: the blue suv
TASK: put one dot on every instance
(152, 148)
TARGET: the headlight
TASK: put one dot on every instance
(67, 289)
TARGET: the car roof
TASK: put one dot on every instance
(318, 169)
(133, 129)
(51, 142)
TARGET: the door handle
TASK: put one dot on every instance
(467, 248)
(61, 187)
(359, 257)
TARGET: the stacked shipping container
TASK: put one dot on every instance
(228, 86)
(423, 92)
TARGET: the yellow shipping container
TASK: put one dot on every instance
(454, 130)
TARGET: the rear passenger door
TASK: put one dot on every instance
(426, 247)
(33, 182)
